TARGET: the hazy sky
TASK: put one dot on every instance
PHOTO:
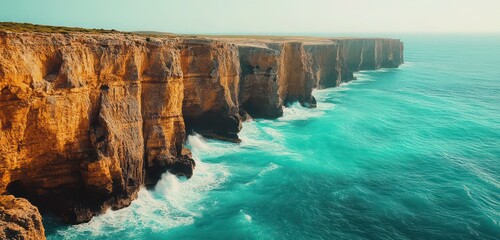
(261, 16)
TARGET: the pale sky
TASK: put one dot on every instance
(261, 16)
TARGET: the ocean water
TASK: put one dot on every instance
(408, 153)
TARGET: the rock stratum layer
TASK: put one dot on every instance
(19, 219)
(86, 120)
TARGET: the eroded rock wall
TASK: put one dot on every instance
(325, 68)
(259, 83)
(87, 119)
(335, 61)
(274, 75)
(295, 84)
(211, 86)
(19, 219)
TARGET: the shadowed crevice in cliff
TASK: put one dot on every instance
(212, 125)
(52, 67)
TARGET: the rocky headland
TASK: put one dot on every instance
(88, 118)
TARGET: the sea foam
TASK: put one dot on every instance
(174, 202)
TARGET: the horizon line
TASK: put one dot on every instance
(264, 33)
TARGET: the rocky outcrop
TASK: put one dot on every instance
(273, 75)
(335, 61)
(161, 103)
(294, 69)
(19, 219)
(277, 73)
(325, 68)
(259, 84)
(88, 119)
(211, 85)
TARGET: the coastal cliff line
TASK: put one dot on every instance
(87, 119)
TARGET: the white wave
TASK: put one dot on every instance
(246, 216)
(173, 203)
(252, 137)
(296, 112)
(264, 138)
(207, 148)
(322, 95)
(275, 134)
(361, 75)
(196, 141)
(341, 87)
(361, 78)
(271, 167)
(407, 65)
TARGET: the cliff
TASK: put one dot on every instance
(277, 73)
(19, 219)
(211, 85)
(86, 119)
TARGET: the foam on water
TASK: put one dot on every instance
(173, 203)
(362, 77)
(248, 218)
(269, 168)
(295, 112)
(208, 148)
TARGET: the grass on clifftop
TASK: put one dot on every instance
(28, 27)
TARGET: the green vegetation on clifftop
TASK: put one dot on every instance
(28, 27)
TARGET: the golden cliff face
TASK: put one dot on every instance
(84, 117)
(277, 73)
(335, 61)
(294, 67)
(273, 75)
(87, 119)
(19, 219)
(259, 83)
(211, 86)
(325, 68)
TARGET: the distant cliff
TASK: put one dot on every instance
(86, 119)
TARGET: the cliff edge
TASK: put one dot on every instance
(87, 119)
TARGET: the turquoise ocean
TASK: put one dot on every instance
(407, 153)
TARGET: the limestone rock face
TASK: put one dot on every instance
(19, 219)
(162, 96)
(86, 119)
(294, 69)
(211, 86)
(273, 75)
(325, 68)
(335, 61)
(259, 83)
